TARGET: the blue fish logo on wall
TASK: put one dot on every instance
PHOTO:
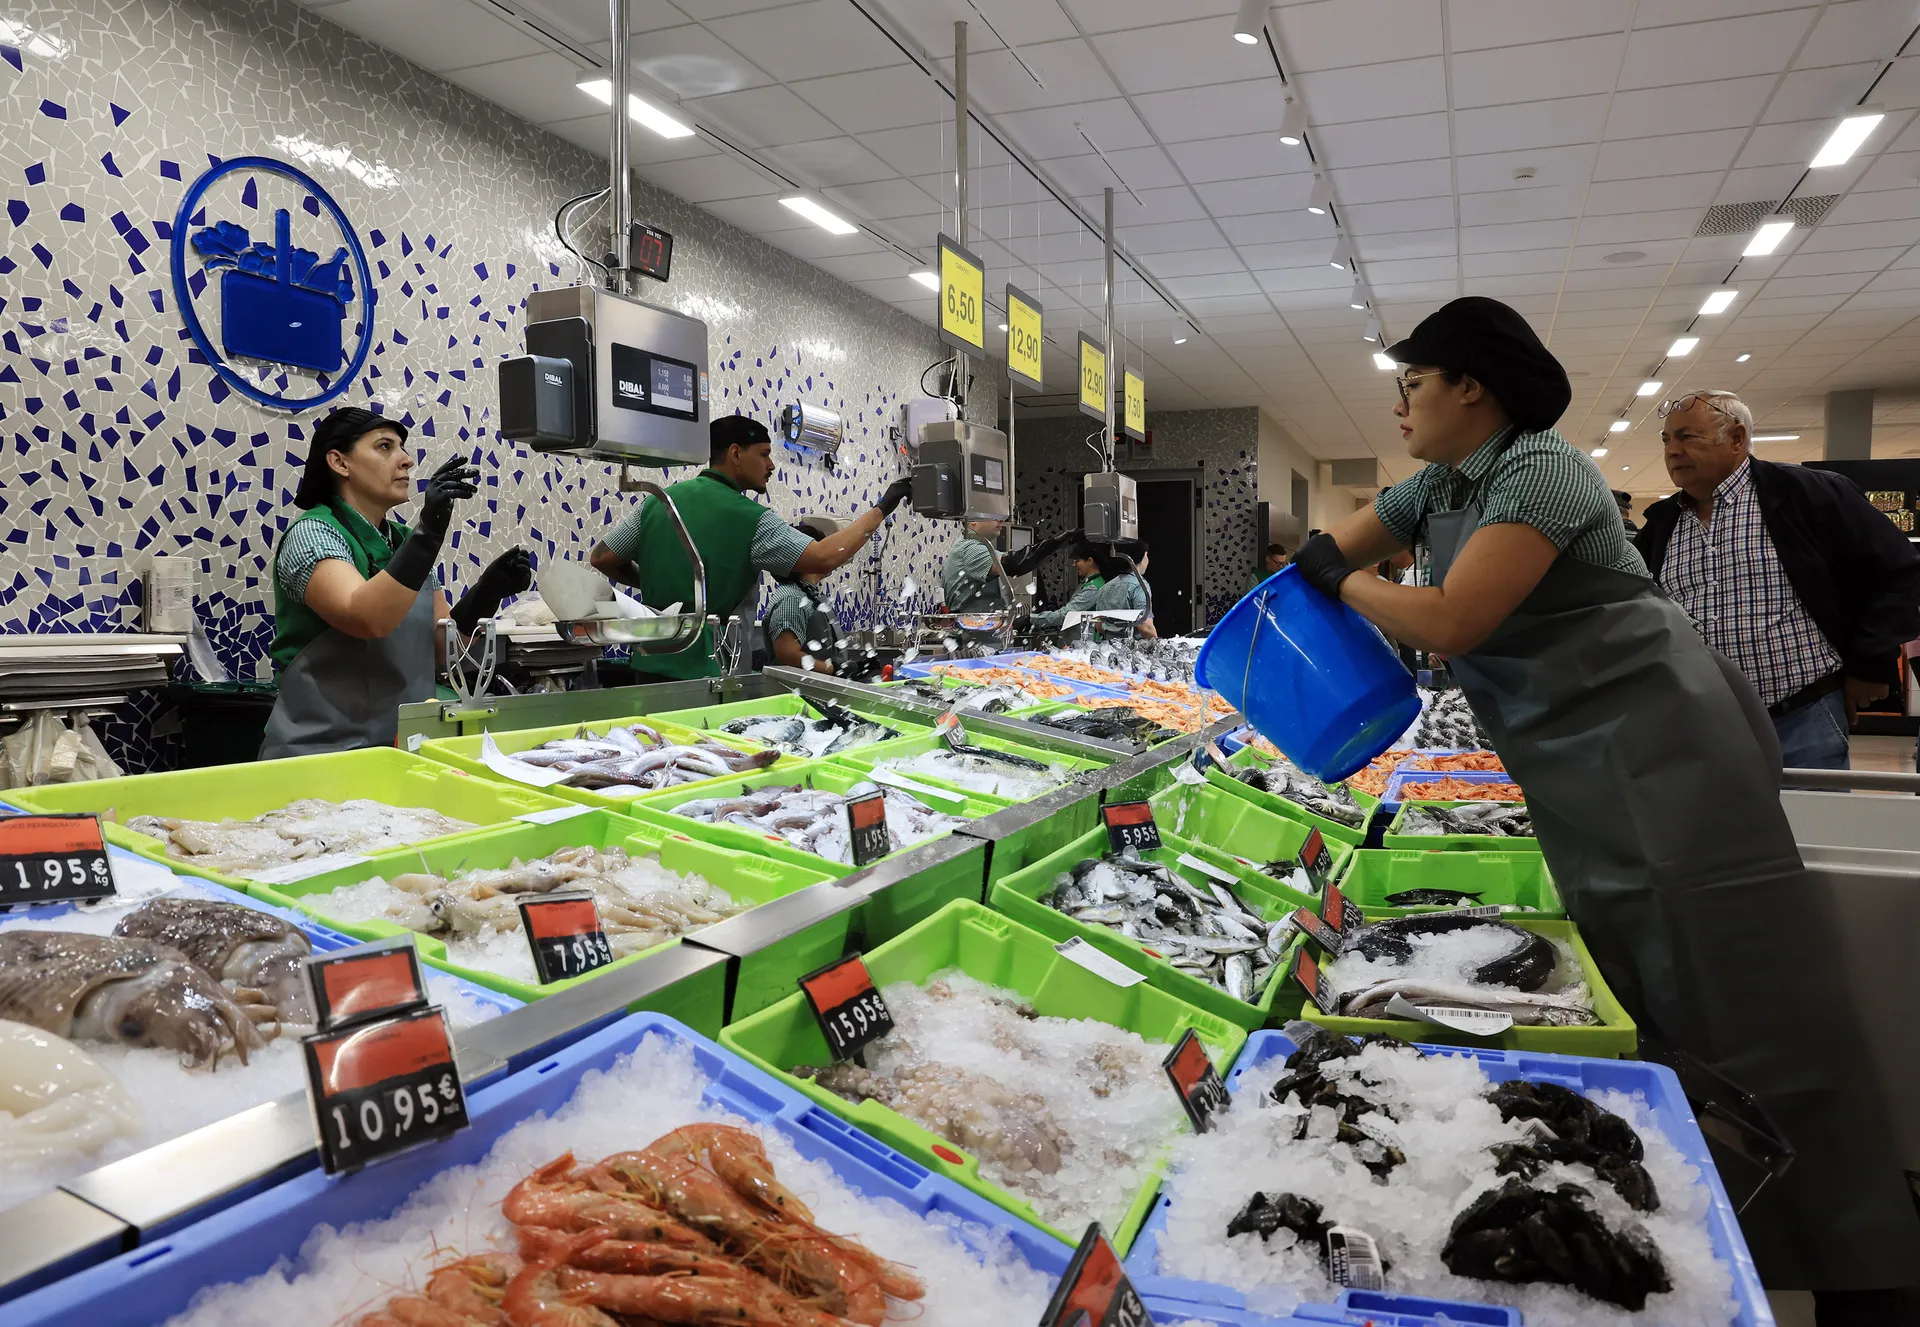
(283, 313)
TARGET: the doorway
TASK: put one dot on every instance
(1169, 522)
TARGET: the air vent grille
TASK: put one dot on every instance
(1744, 218)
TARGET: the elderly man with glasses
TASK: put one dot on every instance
(1790, 572)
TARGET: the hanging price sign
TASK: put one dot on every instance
(565, 935)
(52, 859)
(1191, 1071)
(366, 981)
(850, 1010)
(1095, 1291)
(1323, 935)
(1024, 329)
(383, 1087)
(1093, 377)
(1134, 421)
(1130, 825)
(962, 316)
(867, 830)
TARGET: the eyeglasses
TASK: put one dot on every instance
(1686, 402)
(1403, 379)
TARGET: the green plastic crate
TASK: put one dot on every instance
(866, 758)
(239, 792)
(1021, 849)
(706, 718)
(1394, 838)
(1511, 879)
(749, 877)
(1615, 1037)
(994, 949)
(1331, 830)
(1019, 895)
(1205, 813)
(464, 752)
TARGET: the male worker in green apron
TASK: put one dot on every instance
(737, 538)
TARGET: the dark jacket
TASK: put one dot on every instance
(1851, 568)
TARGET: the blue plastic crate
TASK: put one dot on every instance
(1664, 1097)
(156, 1281)
(1167, 1312)
(1081, 690)
(1390, 802)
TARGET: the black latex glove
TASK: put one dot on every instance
(1323, 564)
(1023, 624)
(457, 478)
(510, 573)
(897, 492)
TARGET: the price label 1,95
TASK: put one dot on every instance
(1095, 1291)
(1130, 825)
(850, 1010)
(53, 859)
(1196, 1080)
(565, 934)
(383, 1087)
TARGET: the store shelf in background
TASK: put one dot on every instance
(1396, 836)
(1333, 831)
(1655, 1083)
(152, 1283)
(866, 758)
(1001, 952)
(1507, 877)
(240, 792)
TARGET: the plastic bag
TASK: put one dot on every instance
(45, 750)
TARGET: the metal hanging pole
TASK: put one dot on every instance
(621, 162)
(960, 179)
(1107, 332)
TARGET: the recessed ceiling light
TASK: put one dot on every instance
(1618, 426)
(1742, 359)
(1647, 388)
(1598, 452)
(1626, 467)
(1718, 302)
(1248, 23)
(927, 279)
(1776, 437)
(1625, 256)
(1683, 346)
(1846, 138)
(819, 216)
(1382, 363)
(643, 112)
(1766, 239)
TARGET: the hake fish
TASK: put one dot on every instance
(1498, 819)
(811, 818)
(1569, 1007)
(1285, 780)
(838, 729)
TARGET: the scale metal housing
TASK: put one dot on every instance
(962, 472)
(1109, 506)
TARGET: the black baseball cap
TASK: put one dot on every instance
(336, 433)
(1492, 343)
(735, 431)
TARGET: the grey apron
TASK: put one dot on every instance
(823, 639)
(341, 694)
(1653, 777)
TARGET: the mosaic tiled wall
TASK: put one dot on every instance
(1054, 454)
(120, 442)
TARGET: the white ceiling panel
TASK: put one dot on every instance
(1551, 203)
(810, 40)
(1262, 194)
(890, 98)
(543, 82)
(709, 179)
(763, 117)
(1179, 55)
(1481, 24)
(1497, 171)
(1752, 44)
(1389, 184)
(1530, 125)
(1053, 133)
(586, 20)
(1376, 91)
(1228, 157)
(1067, 72)
(693, 62)
(830, 161)
(1727, 103)
(1249, 105)
(1572, 68)
(435, 34)
(1855, 30)
(1383, 142)
(1424, 215)
(1334, 34)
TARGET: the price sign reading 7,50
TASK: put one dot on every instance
(963, 298)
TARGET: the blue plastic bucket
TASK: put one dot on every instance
(1312, 676)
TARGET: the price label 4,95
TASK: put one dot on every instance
(1095, 1291)
(52, 859)
(867, 827)
(383, 1087)
(1130, 825)
(850, 1010)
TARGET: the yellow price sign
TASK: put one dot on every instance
(1093, 377)
(963, 304)
(1023, 339)
(1134, 421)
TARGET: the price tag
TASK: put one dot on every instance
(383, 1087)
(1316, 858)
(307, 868)
(962, 316)
(1219, 873)
(1197, 1081)
(1095, 1291)
(920, 790)
(1344, 917)
(367, 981)
(1323, 935)
(554, 814)
(1130, 825)
(1307, 973)
(1134, 421)
(1098, 962)
(51, 859)
(1483, 910)
(850, 1010)
(565, 935)
(867, 827)
(950, 730)
(1024, 332)
(1093, 377)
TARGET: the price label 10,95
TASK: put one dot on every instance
(53, 859)
(850, 1010)
(383, 1087)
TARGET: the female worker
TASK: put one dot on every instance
(1125, 568)
(1652, 775)
(1086, 566)
(354, 595)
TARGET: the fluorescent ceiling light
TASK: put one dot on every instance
(1598, 452)
(927, 279)
(819, 216)
(1293, 123)
(1249, 22)
(1648, 388)
(1846, 138)
(644, 113)
(1718, 302)
(1683, 346)
(1765, 240)
(1322, 197)
(1742, 359)
(1776, 437)
(1618, 426)
(1382, 363)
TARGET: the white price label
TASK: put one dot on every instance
(1112, 969)
(1473, 1022)
(553, 814)
(307, 868)
(892, 780)
(1207, 868)
(415, 741)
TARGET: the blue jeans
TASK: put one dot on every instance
(1815, 736)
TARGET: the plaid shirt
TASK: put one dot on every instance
(1728, 576)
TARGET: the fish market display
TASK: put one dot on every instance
(635, 759)
(55, 1099)
(1432, 898)
(1380, 770)
(837, 729)
(1451, 960)
(477, 913)
(256, 955)
(1574, 1209)
(1018, 679)
(1287, 780)
(1116, 723)
(1070, 1114)
(980, 769)
(1074, 669)
(992, 698)
(310, 827)
(1493, 818)
(574, 1218)
(1446, 720)
(1205, 931)
(1187, 716)
(1460, 760)
(1460, 790)
(812, 818)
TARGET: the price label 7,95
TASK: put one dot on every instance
(383, 1087)
(852, 1015)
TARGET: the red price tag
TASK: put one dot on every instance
(1307, 972)
(367, 981)
(1197, 1081)
(1315, 858)
(867, 827)
(565, 935)
(850, 1010)
(1130, 825)
(1095, 1291)
(383, 1087)
(1343, 915)
(1323, 935)
(52, 859)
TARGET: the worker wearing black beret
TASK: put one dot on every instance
(1651, 771)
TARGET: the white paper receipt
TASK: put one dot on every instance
(1079, 951)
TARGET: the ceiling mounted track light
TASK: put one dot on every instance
(1250, 22)
(1342, 256)
(1293, 123)
(1372, 333)
(1321, 199)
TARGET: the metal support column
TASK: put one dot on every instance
(1106, 447)
(960, 182)
(621, 181)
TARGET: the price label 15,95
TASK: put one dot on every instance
(1095, 1291)
(53, 859)
(565, 934)
(1130, 825)
(850, 1010)
(383, 1087)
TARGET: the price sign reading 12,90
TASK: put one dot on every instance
(1093, 377)
(1024, 332)
(963, 298)
(850, 1010)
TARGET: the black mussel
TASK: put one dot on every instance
(1263, 1216)
(1518, 1233)
(1319, 1046)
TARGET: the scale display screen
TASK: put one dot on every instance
(654, 384)
(988, 474)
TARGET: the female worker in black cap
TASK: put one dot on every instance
(1652, 775)
(355, 599)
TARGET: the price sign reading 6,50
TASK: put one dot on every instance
(963, 298)
(850, 1010)
(383, 1087)
(50, 859)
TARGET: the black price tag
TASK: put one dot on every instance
(1316, 859)
(1343, 915)
(850, 1010)
(867, 827)
(1095, 1291)
(1307, 973)
(564, 933)
(383, 1087)
(366, 982)
(1323, 935)
(1130, 825)
(1197, 1082)
(53, 859)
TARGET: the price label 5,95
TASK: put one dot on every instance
(383, 1087)
(852, 1015)
(1130, 825)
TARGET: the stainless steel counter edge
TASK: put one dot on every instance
(771, 922)
(864, 884)
(1005, 824)
(53, 1236)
